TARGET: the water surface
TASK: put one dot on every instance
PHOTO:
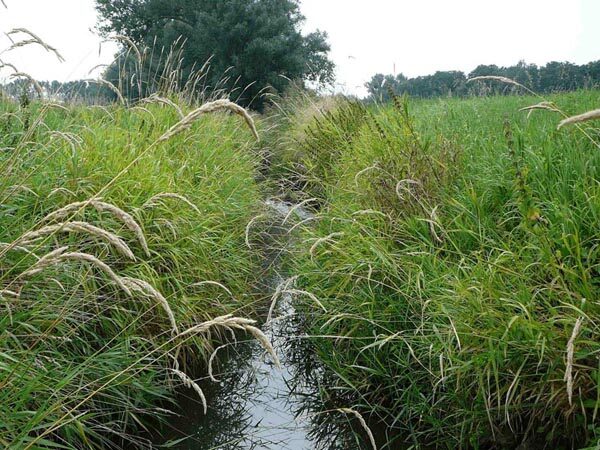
(256, 405)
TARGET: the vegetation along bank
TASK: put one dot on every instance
(454, 254)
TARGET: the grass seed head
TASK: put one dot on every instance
(35, 39)
(78, 227)
(170, 195)
(590, 115)
(570, 354)
(191, 384)
(210, 107)
(362, 422)
(154, 98)
(146, 288)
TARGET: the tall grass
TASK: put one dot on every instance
(122, 259)
(456, 254)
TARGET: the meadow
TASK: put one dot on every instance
(455, 255)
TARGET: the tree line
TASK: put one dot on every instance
(553, 77)
(247, 49)
(79, 91)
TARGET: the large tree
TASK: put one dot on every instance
(254, 44)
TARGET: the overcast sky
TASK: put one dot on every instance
(415, 37)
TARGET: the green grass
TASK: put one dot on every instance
(456, 250)
(82, 364)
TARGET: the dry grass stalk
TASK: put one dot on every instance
(126, 218)
(227, 321)
(433, 223)
(210, 107)
(404, 185)
(231, 323)
(98, 66)
(78, 227)
(167, 224)
(59, 257)
(146, 110)
(9, 65)
(9, 247)
(364, 212)
(111, 86)
(4, 294)
(264, 341)
(8, 293)
(22, 188)
(154, 98)
(590, 115)
(101, 206)
(570, 353)
(35, 39)
(191, 384)
(51, 105)
(85, 257)
(44, 261)
(211, 361)
(214, 283)
(147, 289)
(365, 170)
(501, 79)
(61, 190)
(362, 422)
(72, 139)
(296, 207)
(302, 222)
(249, 227)
(130, 43)
(321, 240)
(172, 195)
(313, 297)
(281, 287)
(104, 109)
(548, 106)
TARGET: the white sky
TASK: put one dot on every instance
(415, 37)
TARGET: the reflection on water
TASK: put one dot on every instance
(258, 406)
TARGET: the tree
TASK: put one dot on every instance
(382, 86)
(255, 44)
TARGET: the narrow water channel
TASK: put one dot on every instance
(256, 405)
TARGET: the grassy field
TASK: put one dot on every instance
(108, 303)
(457, 255)
(450, 273)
